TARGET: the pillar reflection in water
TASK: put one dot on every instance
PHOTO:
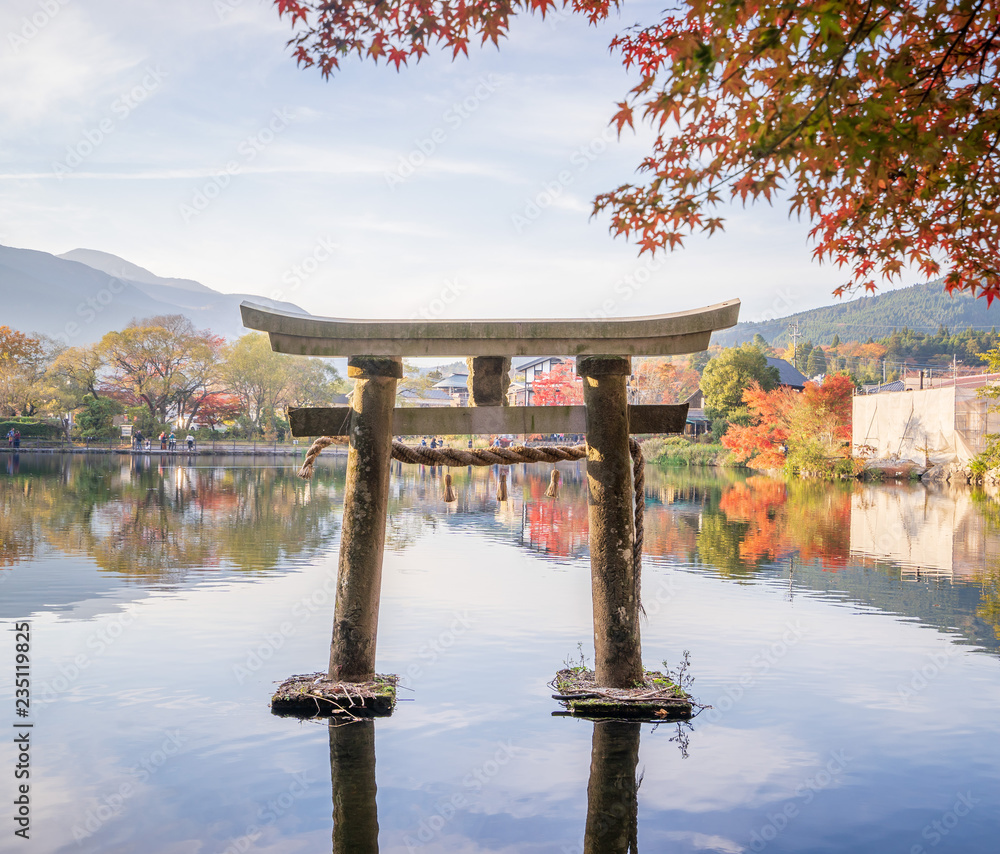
(612, 794)
(352, 773)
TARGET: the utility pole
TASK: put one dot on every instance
(793, 330)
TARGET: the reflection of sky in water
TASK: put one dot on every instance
(852, 728)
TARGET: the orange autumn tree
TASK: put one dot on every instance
(652, 381)
(808, 432)
(877, 120)
(760, 443)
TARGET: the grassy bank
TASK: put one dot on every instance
(678, 451)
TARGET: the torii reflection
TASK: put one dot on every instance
(612, 792)
(352, 773)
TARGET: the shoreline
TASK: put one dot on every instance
(217, 451)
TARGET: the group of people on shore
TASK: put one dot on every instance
(13, 438)
(168, 441)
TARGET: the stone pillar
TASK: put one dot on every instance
(489, 379)
(617, 652)
(612, 793)
(352, 774)
(366, 496)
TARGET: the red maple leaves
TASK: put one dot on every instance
(878, 121)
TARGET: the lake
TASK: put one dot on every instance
(846, 637)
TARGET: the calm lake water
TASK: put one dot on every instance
(846, 637)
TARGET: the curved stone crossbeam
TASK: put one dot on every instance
(655, 335)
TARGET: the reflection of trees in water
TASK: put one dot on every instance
(738, 525)
(989, 577)
(528, 517)
(19, 533)
(154, 521)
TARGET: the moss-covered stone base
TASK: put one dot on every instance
(312, 695)
(657, 699)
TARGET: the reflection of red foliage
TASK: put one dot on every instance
(559, 529)
(555, 527)
(814, 522)
(666, 534)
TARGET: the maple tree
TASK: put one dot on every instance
(810, 431)
(879, 120)
(557, 387)
(661, 381)
(218, 408)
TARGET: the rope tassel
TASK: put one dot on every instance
(553, 490)
(506, 457)
(449, 493)
(502, 487)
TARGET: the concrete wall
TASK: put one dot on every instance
(942, 425)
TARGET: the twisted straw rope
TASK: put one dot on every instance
(505, 457)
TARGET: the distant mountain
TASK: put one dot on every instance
(922, 308)
(79, 296)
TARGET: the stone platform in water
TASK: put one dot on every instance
(657, 699)
(312, 695)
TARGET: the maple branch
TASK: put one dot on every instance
(960, 37)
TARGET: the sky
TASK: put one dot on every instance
(184, 138)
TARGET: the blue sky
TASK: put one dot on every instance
(183, 137)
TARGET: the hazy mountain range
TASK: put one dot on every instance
(922, 308)
(79, 296)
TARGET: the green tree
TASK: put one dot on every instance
(729, 374)
(312, 382)
(258, 377)
(989, 458)
(816, 363)
(802, 355)
(96, 418)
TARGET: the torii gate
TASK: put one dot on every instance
(603, 350)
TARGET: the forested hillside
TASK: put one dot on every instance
(922, 308)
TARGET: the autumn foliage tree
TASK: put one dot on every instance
(21, 361)
(558, 387)
(659, 381)
(809, 432)
(879, 121)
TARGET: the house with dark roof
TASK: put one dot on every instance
(697, 423)
(457, 386)
(426, 398)
(788, 374)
